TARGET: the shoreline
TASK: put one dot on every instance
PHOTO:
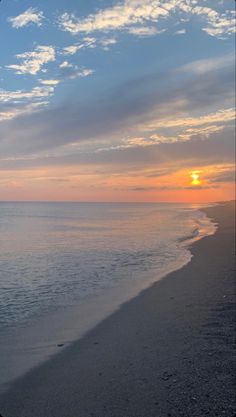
(107, 371)
(29, 346)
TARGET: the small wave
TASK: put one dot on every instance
(195, 233)
(204, 226)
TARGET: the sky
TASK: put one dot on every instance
(107, 100)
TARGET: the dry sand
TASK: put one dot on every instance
(167, 352)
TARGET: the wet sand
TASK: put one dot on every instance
(169, 352)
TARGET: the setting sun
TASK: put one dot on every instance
(195, 178)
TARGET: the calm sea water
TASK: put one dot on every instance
(58, 255)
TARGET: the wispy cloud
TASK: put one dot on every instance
(17, 110)
(156, 139)
(71, 71)
(150, 120)
(49, 82)
(19, 95)
(203, 66)
(180, 32)
(72, 49)
(21, 102)
(89, 43)
(145, 31)
(65, 64)
(174, 155)
(218, 25)
(34, 61)
(172, 188)
(224, 115)
(106, 43)
(203, 132)
(123, 15)
(30, 16)
(136, 15)
(224, 175)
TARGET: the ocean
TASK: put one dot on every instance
(66, 266)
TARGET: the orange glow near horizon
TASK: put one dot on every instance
(89, 184)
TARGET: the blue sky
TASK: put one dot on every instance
(93, 89)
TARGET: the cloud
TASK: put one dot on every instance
(34, 61)
(106, 43)
(195, 152)
(185, 135)
(147, 188)
(145, 31)
(172, 188)
(154, 114)
(20, 102)
(31, 15)
(203, 132)
(182, 154)
(223, 115)
(18, 110)
(128, 14)
(20, 95)
(226, 175)
(69, 71)
(71, 49)
(65, 64)
(123, 15)
(203, 66)
(217, 24)
(50, 82)
(180, 32)
(90, 43)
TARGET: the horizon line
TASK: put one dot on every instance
(116, 202)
